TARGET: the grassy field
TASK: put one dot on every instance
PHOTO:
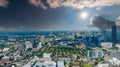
(87, 65)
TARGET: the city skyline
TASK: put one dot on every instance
(59, 33)
(52, 15)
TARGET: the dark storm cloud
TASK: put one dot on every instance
(100, 22)
(22, 15)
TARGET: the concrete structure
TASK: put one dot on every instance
(106, 45)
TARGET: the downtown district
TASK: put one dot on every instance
(59, 49)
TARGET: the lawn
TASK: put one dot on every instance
(87, 65)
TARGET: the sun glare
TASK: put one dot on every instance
(84, 15)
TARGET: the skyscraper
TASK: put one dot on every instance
(114, 34)
(104, 35)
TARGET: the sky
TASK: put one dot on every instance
(55, 15)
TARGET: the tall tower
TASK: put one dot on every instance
(114, 34)
(42, 40)
(104, 35)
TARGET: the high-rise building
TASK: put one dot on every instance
(42, 39)
(104, 35)
(114, 34)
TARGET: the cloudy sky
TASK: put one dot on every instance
(54, 14)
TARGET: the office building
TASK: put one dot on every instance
(114, 34)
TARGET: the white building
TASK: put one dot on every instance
(40, 62)
(39, 45)
(46, 55)
(60, 64)
(5, 49)
(45, 64)
(103, 65)
(106, 45)
(63, 43)
(28, 44)
(27, 65)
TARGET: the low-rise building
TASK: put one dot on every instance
(115, 53)
(67, 60)
(44, 64)
(95, 54)
(46, 55)
(103, 65)
(60, 64)
(5, 49)
(114, 62)
(118, 45)
(5, 59)
(106, 45)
